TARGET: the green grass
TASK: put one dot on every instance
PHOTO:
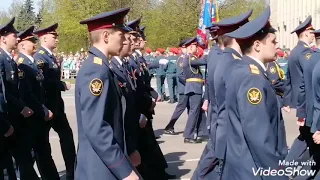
(72, 81)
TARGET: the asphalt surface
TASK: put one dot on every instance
(182, 158)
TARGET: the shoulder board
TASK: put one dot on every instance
(236, 57)
(97, 60)
(254, 69)
(20, 60)
(41, 52)
(193, 58)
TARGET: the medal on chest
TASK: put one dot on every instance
(54, 65)
(12, 75)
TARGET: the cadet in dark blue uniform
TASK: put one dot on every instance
(296, 62)
(183, 101)
(131, 118)
(256, 135)
(153, 163)
(17, 109)
(31, 78)
(6, 130)
(53, 85)
(306, 106)
(315, 128)
(218, 134)
(100, 105)
(171, 71)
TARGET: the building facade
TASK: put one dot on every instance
(286, 16)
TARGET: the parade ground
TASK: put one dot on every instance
(182, 158)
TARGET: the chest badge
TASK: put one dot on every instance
(21, 74)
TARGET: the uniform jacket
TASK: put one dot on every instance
(224, 62)
(100, 109)
(52, 83)
(296, 62)
(31, 78)
(193, 75)
(256, 132)
(306, 99)
(9, 71)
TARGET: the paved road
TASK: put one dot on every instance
(182, 158)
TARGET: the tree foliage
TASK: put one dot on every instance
(26, 17)
(167, 21)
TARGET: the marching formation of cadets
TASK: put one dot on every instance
(245, 91)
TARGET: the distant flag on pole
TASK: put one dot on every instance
(208, 15)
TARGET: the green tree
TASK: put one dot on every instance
(230, 8)
(26, 16)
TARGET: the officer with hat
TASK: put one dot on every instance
(218, 132)
(17, 109)
(193, 91)
(32, 93)
(308, 99)
(296, 61)
(6, 130)
(131, 118)
(100, 104)
(183, 101)
(48, 65)
(153, 163)
(315, 128)
(299, 55)
(256, 136)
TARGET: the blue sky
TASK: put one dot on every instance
(5, 4)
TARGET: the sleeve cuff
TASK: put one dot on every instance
(301, 113)
(122, 169)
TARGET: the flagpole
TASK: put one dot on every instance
(217, 10)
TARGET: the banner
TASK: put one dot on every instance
(208, 15)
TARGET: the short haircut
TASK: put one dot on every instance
(225, 40)
(246, 44)
(94, 36)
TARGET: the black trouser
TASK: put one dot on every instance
(31, 133)
(61, 125)
(6, 160)
(314, 149)
(153, 163)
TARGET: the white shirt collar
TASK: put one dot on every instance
(118, 59)
(9, 54)
(259, 62)
(50, 52)
(30, 57)
(139, 52)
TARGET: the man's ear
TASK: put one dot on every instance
(105, 36)
(256, 46)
